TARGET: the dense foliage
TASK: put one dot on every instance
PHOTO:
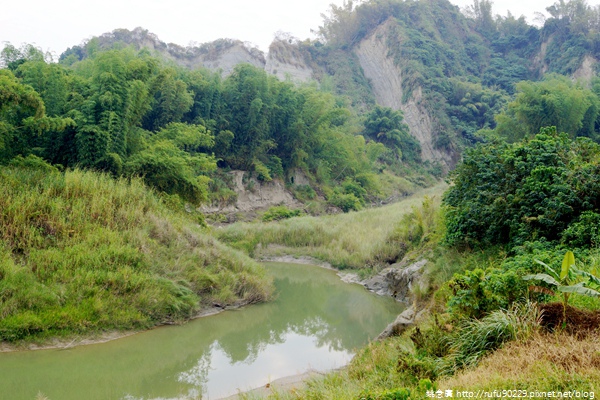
(530, 190)
(469, 62)
(129, 114)
(553, 101)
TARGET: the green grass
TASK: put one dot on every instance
(350, 240)
(82, 252)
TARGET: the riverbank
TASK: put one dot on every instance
(355, 240)
(103, 337)
(97, 338)
(289, 384)
(315, 321)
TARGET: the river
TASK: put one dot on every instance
(315, 322)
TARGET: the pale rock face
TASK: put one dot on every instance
(386, 81)
(586, 72)
(287, 63)
(229, 58)
(255, 195)
(538, 61)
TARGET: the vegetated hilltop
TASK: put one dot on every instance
(448, 71)
(126, 112)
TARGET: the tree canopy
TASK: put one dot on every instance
(530, 190)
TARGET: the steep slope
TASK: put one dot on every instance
(286, 61)
(386, 80)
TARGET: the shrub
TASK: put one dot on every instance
(346, 201)
(275, 167)
(584, 232)
(352, 187)
(534, 189)
(280, 212)
(32, 162)
(476, 293)
(262, 171)
(304, 192)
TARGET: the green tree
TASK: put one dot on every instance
(171, 100)
(387, 126)
(554, 101)
(169, 169)
(12, 57)
(248, 102)
(50, 81)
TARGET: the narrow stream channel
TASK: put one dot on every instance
(316, 322)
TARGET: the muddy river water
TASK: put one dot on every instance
(315, 322)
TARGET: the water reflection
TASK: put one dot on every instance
(315, 322)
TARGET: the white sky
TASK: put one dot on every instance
(58, 24)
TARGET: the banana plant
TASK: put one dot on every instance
(566, 282)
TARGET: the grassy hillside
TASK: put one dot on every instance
(82, 252)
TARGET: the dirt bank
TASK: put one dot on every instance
(286, 384)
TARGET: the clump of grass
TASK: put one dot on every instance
(81, 252)
(476, 338)
(277, 213)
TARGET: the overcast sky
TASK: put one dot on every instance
(58, 24)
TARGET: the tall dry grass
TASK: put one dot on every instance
(351, 240)
(544, 362)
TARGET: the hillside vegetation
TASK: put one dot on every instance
(81, 252)
(468, 64)
(105, 156)
(513, 294)
(127, 113)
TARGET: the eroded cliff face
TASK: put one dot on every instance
(253, 195)
(386, 82)
(286, 62)
(586, 72)
(538, 63)
(228, 58)
(223, 56)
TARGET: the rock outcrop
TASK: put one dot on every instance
(253, 194)
(226, 59)
(400, 324)
(396, 282)
(221, 54)
(586, 72)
